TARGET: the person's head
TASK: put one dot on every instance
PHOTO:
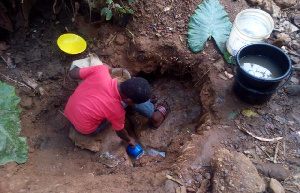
(135, 91)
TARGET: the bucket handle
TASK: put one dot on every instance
(256, 91)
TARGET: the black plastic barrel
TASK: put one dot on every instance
(256, 90)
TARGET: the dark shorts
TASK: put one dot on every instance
(99, 129)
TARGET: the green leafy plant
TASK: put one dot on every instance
(107, 11)
(229, 58)
(209, 20)
(12, 147)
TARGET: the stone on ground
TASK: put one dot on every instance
(275, 187)
(234, 172)
(111, 150)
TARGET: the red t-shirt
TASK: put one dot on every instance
(95, 99)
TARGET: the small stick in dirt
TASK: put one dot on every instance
(114, 37)
(276, 152)
(256, 137)
(29, 81)
(180, 38)
(284, 148)
(264, 152)
(285, 134)
(21, 84)
(200, 79)
(62, 113)
(171, 178)
(53, 6)
(131, 35)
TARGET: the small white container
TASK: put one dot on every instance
(250, 26)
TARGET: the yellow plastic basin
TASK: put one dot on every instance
(71, 43)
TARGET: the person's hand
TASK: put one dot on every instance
(132, 142)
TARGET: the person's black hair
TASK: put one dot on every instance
(137, 89)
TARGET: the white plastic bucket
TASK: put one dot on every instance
(250, 26)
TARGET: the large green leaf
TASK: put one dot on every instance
(12, 147)
(209, 20)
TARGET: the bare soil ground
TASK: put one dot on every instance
(153, 45)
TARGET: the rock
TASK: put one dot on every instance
(296, 19)
(204, 122)
(170, 186)
(120, 39)
(109, 147)
(241, 175)
(293, 90)
(282, 40)
(181, 189)
(271, 170)
(285, 3)
(285, 38)
(190, 190)
(204, 186)
(255, 2)
(295, 80)
(270, 7)
(54, 71)
(275, 187)
(297, 67)
(294, 161)
(199, 178)
(40, 142)
(3, 45)
(295, 59)
(207, 176)
(295, 46)
(289, 27)
(26, 102)
(219, 64)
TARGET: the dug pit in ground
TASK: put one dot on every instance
(184, 111)
(154, 41)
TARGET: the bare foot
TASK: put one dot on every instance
(293, 90)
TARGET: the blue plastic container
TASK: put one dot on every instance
(135, 152)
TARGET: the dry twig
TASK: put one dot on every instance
(20, 83)
(270, 158)
(131, 35)
(61, 113)
(171, 178)
(256, 137)
(276, 152)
